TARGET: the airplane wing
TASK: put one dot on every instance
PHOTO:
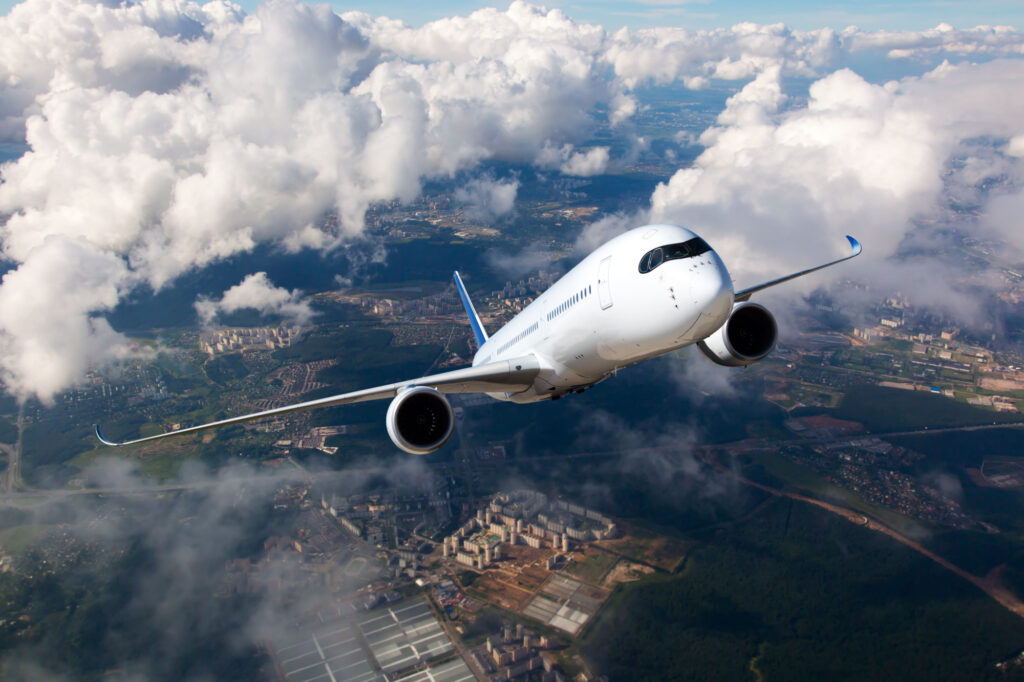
(745, 294)
(505, 376)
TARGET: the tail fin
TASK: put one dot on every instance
(474, 319)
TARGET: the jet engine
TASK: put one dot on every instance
(747, 336)
(420, 420)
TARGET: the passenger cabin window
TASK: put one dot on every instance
(687, 249)
(569, 302)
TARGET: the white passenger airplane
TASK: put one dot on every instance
(644, 293)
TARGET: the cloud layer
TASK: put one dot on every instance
(180, 585)
(165, 135)
(778, 183)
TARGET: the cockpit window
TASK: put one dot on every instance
(657, 257)
(687, 249)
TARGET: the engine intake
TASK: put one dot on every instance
(746, 337)
(420, 420)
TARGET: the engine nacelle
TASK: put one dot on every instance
(747, 336)
(420, 420)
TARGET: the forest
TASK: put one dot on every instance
(801, 594)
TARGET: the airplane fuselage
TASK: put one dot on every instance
(644, 293)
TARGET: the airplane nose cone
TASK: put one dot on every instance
(712, 289)
(702, 294)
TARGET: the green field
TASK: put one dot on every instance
(19, 538)
(226, 368)
(892, 409)
(805, 480)
(594, 567)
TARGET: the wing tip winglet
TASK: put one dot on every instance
(99, 436)
(855, 245)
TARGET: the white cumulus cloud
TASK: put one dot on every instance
(257, 292)
(776, 184)
(569, 161)
(594, 161)
(487, 198)
(165, 135)
(859, 159)
(50, 309)
(773, 187)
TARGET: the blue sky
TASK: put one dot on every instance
(800, 14)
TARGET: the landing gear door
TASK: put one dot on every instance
(604, 289)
